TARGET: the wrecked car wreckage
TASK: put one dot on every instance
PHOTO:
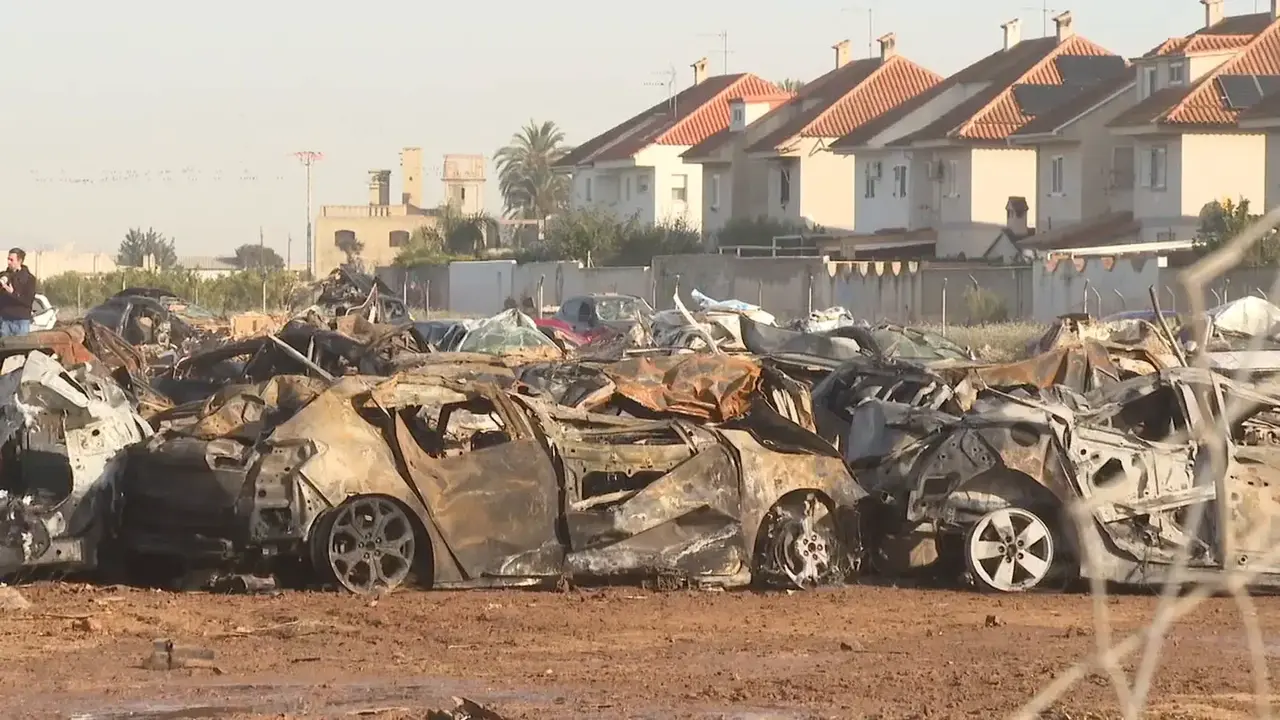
(367, 486)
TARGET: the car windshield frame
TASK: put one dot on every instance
(636, 307)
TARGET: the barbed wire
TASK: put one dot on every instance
(1211, 438)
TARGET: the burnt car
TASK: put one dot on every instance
(994, 488)
(591, 315)
(65, 430)
(377, 481)
(150, 316)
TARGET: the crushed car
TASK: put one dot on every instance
(377, 481)
(63, 435)
(992, 489)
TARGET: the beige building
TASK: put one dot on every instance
(770, 161)
(382, 227)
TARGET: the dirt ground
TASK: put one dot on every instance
(858, 652)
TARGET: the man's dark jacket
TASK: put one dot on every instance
(17, 304)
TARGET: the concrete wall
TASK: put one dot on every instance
(48, 263)
(906, 292)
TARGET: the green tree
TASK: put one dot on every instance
(1220, 221)
(257, 257)
(425, 247)
(761, 231)
(588, 234)
(139, 243)
(466, 234)
(350, 246)
(638, 243)
(791, 85)
(530, 189)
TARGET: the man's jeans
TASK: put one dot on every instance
(9, 328)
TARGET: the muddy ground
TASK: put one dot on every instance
(860, 652)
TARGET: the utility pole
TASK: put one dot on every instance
(288, 253)
(309, 158)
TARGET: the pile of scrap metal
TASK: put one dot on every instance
(370, 482)
(165, 326)
(350, 291)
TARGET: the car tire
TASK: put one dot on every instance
(1010, 550)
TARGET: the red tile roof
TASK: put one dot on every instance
(1202, 103)
(699, 112)
(719, 138)
(994, 113)
(844, 99)
(1230, 33)
(1063, 114)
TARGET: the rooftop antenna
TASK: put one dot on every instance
(871, 25)
(723, 37)
(1045, 13)
(669, 83)
(309, 158)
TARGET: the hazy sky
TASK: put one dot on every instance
(150, 113)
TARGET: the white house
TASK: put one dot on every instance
(636, 170)
(1193, 128)
(771, 162)
(936, 175)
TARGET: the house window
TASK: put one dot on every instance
(642, 185)
(869, 179)
(739, 117)
(1156, 172)
(1153, 80)
(1122, 167)
(628, 188)
(951, 176)
(900, 181)
(398, 238)
(680, 188)
(1177, 73)
(715, 191)
(586, 192)
(784, 186)
(1055, 175)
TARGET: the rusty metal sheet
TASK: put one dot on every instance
(713, 388)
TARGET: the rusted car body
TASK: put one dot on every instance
(993, 488)
(468, 485)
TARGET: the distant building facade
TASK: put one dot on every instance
(380, 227)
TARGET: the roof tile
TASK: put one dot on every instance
(1202, 103)
(699, 112)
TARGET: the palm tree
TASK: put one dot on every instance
(466, 234)
(530, 189)
(790, 85)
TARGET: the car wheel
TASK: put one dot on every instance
(799, 545)
(367, 545)
(1009, 550)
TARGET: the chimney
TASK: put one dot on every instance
(888, 45)
(411, 176)
(1065, 28)
(1275, 9)
(843, 53)
(1016, 216)
(379, 187)
(699, 71)
(1213, 12)
(1012, 33)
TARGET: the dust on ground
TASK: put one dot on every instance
(857, 652)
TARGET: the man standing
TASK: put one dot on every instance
(17, 293)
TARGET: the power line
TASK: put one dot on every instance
(309, 158)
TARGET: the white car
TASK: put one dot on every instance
(43, 313)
